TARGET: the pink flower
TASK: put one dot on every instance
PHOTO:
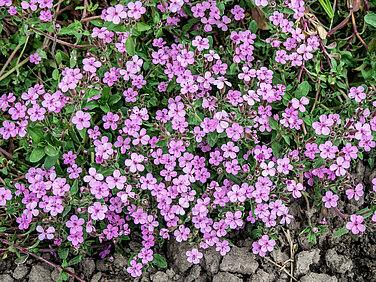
(296, 104)
(355, 193)
(45, 234)
(135, 269)
(262, 3)
(114, 14)
(330, 199)
(91, 64)
(5, 195)
(97, 211)
(194, 256)
(36, 113)
(81, 120)
(35, 58)
(75, 223)
(322, 127)
(222, 247)
(357, 93)
(117, 180)
(328, 150)
(355, 224)
(181, 234)
(135, 10)
(135, 162)
(340, 166)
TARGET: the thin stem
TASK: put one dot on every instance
(9, 59)
(14, 68)
(90, 18)
(26, 251)
(19, 57)
(340, 214)
(60, 41)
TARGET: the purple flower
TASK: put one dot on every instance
(97, 211)
(355, 224)
(5, 195)
(81, 120)
(45, 234)
(35, 58)
(194, 256)
(330, 199)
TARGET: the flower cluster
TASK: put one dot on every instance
(180, 138)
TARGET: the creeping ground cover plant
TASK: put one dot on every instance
(181, 120)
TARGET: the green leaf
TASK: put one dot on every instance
(114, 99)
(50, 151)
(370, 19)
(21, 259)
(74, 189)
(340, 232)
(37, 154)
(129, 45)
(273, 123)
(92, 104)
(50, 161)
(302, 90)
(287, 139)
(105, 95)
(142, 26)
(307, 120)
(327, 6)
(212, 138)
(66, 211)
(253, 26)
(3, 229)
(159, 261)
(63, 253)
(106, 108)
(82, 132)
(55, 74)
(36, 134)
(74, 260)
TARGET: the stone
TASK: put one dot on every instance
(338, 263)
(160, 276)
(177, 254)
(170, 272)
(304, 260)
(280, 257)
(56, 273)
(40, 273)
(6, 278)
(261, 276)
(101, 266)
(195, 275)
(239, 260)
(226, 277)
(20, 271)
(120, 261)
(318, 277)
(88, 267)
(96, 277)
(212, 261)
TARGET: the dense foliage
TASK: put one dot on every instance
(184, 120)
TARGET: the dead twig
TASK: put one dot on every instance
(281, 267)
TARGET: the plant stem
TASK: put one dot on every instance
(26, 251)
(14, 68)
(60, 41)
(340, 214)
(9, 59)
